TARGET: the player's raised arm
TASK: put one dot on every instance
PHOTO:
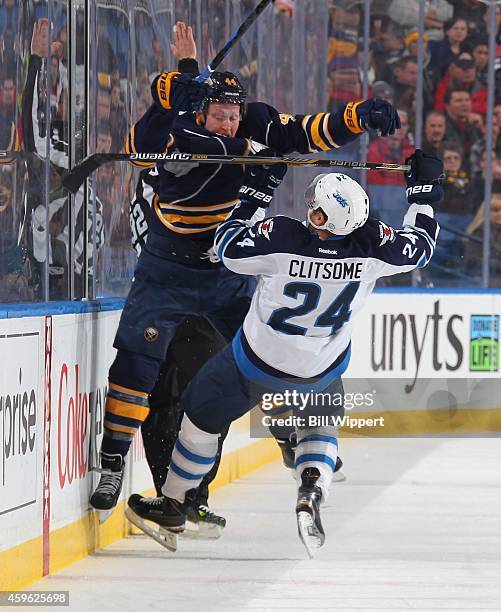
(394, 251)
(172, 92)
(320, 131)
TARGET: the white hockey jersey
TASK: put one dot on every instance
(309, 291)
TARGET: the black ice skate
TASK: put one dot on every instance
(202, 523)
(288, 448)
(168, 514)
(309, 524)
(105, 497)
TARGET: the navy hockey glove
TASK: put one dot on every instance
(260, 183)
(372, 114)
(424, 179)
(178, 92)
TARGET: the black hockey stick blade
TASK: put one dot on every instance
(75, 178)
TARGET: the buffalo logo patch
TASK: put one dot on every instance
(151, 333)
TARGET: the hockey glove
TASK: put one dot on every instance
(260, 183)
(372, 114)
(424, 179)
(178, 92)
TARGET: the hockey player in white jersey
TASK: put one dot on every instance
(313, 279)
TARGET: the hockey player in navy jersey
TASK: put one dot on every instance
(313, 279)
(177, 272)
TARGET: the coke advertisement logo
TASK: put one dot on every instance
(72, 419)
(80, 415)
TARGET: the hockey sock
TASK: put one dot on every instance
(317, 447)
(193, 457)
(125, 410)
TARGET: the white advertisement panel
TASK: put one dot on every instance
(21, 423)
(427, 335)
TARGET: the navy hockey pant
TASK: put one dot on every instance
(163, 292)
(220, 394)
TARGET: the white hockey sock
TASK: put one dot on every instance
(317, 447)
(192, 458)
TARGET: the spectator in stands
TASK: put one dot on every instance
(479, 147)
(474, 248)
(444, 51)
(434, 132)
(342, 55)
(404, 82)
(385, 188)
(8, 96)
(460, 198)
(104, 141)
(458, 119)
(387, 48)
(462, 74)
(437, 12)
(480, 54)
(471, 11)
(456, 210)
(404, 75)
(485, 26)
(118, 118)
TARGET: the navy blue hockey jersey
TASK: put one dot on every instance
(192, 201)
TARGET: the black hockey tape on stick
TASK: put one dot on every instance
(232, 41)
(75, 177)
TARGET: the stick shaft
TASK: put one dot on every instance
(75, 177)
(232, 41)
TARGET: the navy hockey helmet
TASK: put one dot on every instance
(225, 89)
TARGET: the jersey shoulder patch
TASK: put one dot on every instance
(386, 234)
(283, 230)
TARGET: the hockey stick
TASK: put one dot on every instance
(75, 177)
(232, 41)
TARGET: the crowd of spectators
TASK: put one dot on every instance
(131, 45)
(454, 108)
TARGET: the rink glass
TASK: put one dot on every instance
(301, 57)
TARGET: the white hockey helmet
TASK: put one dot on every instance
(344, 202)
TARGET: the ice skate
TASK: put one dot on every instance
(288, 448)
(167, 514)
(105, 497)
(202, 523)
(309, 524)
(339, 475)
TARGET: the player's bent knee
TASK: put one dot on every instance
(135, 371)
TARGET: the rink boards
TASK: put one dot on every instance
(53, 385)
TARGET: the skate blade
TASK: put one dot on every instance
(167, 539)
(309, 534)
(201, 531)
(339, 476)
(104, 515)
